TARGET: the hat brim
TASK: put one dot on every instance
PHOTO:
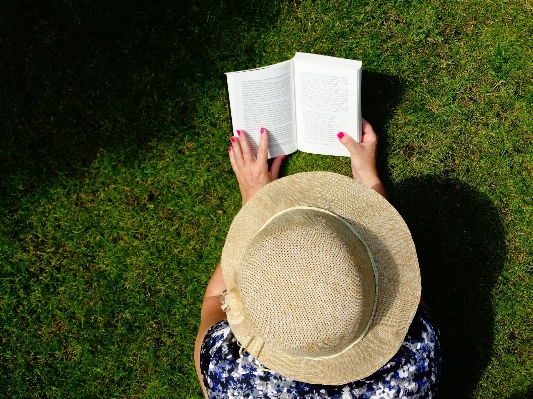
(388, 238)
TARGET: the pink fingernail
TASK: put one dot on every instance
(262, 130)
(233, 139)
(229, 149)
(238, 132)
(340, 135)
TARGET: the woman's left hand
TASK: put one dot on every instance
(252, 173)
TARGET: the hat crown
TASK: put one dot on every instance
(307, 283)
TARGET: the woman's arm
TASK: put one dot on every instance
(211, 314)
(252, 174)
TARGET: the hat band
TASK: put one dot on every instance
(234, 309)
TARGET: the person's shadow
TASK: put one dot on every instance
(460, 243)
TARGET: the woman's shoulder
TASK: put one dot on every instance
(412, 372)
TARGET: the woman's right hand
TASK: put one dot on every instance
(252, 172)
(363, 157)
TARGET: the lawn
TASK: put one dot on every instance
(116, 191)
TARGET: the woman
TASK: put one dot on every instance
(320, 288)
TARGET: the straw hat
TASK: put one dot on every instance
(322, 278)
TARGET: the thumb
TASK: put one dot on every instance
(348, 142)
(276, 165)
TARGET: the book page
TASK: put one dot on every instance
(264, 97)
(327, 96)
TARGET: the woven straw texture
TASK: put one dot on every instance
(305, 303)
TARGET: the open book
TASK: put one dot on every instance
(303, 103)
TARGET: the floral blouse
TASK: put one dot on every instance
(412, 373)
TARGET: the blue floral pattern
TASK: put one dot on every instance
(412, 373)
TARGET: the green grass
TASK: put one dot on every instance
(116, 192)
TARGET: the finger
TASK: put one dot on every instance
(368, 132)
(237, 151)
(348, 142)
(276, 165)
(232, 160)
(246, 149)
(262, 152)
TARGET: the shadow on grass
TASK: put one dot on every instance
(528, 394)
(380, 94)
(460, 242)
(77, 78)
